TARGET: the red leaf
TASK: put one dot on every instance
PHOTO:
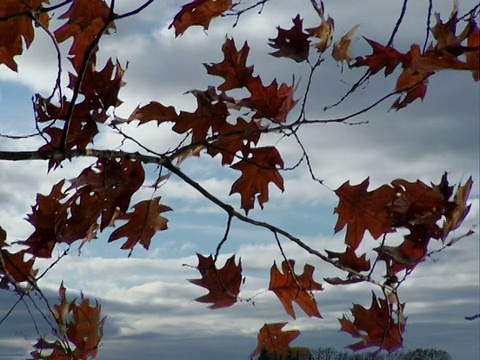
(271, 102)
(274, 340)
(86, 18)
(223, 284)
(382, 57)
(362, 210)
(291, 287)
(198, 12)
(152, 111)
(233, 68)
(292, 43)
(257, 172)
(350, 260)
(375, 326)
(18, 28)
(142, 223)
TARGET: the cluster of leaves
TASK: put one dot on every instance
(100, 196)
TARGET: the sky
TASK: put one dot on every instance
(150, 307)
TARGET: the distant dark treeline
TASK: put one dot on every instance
(332, 354)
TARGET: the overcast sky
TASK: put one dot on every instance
(149, 303)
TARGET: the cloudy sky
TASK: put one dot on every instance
(149, 303)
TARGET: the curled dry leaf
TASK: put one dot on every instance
(274, 340)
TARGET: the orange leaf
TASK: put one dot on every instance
(340, 51)
(291, 287)
(223, 284)
(292, 43)
(198, 12)
(233, 68)
(257, 172)
(142, 223)
(274, 340)
(362, 210)
(323, 33)
(473, 57)
(375, 326)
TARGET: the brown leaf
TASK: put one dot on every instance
(152, 111)
(233, 68)
(17, 29)
(375, 326)
(257, 172)
(292, 43)
(455, 218)
(142, 223)
(274, 340)
(324, 33)
(340, 51)
(291, 287)
(223, 284)
(198, 12)
(362, 210)
(85, 20)
(350, 260)
(271, 102)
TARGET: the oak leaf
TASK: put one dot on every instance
(350, 260)
(274, 340)
(210, 115)
(363, 210)
(223, 284)
(323, 32)
(382, 57)
(404, 256)
(473, 57)
(292, 43)
(257, 172)
(198, 12)
(341, 48)
(142, 223)
(291, 287)
(455, 218)
(234, 138)
(150, 112)
(375, 326)
(85, 21)
(271, 102)
(17, 29)
(233, 68)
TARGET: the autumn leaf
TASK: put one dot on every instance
(274, 340)
(18, 29)
(153, 111)
(223, 284)
(363, 210)
(234, 138)
(15, 268)
(350, 260)
(446, 33)
(473, 57)
(198, 12)
(233, 68)
(323, 32)
(142, 223)
(404, 256)
(340, 51)
(382, 57)
(85, 21)
(48, 216)
(210, 115)
(375, 326)
(257, 172)
(291, 287)
(455, 218)
(292, 43)
(271, 102)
